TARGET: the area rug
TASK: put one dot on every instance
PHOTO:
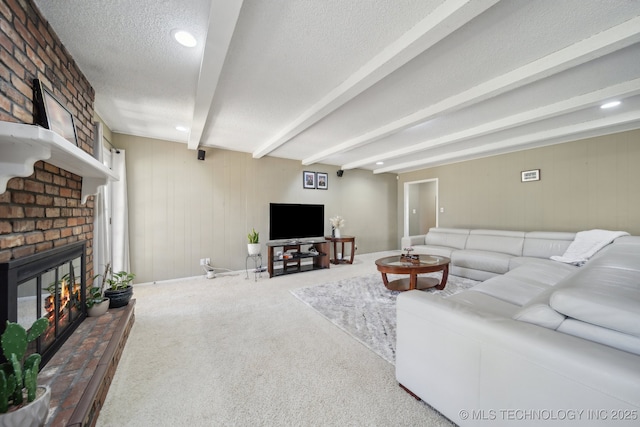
(364, 308)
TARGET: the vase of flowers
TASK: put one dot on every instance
(337, 222)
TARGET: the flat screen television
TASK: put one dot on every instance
(295, 221)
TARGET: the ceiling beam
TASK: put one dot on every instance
(444, 20)
(576, 103)
(586, 50)
(597, 127)
(223, 16)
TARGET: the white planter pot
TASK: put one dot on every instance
(253, 248)
(32, 415)
(99, 309)
(336, 233)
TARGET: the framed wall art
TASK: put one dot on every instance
(52, 114)
(322, 181)
(308, 179)
(532, 175)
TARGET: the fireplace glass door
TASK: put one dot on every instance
(49, 285)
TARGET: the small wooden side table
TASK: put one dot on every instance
(342, 240)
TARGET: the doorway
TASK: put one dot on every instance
(420, 206)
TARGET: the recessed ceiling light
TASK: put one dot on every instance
(379, 163)
(184, 38)
(610, 104)
(182, 128)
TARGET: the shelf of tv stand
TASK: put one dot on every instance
(279, 266)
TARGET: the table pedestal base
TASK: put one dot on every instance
(404, 284)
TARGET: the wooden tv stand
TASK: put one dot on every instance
(278, 265)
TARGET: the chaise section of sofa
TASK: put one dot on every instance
(471, 364)
(543, 338)
(520, 285)
(600, 302)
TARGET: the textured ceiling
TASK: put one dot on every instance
(411, 83)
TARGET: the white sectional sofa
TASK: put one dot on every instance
(539, 342)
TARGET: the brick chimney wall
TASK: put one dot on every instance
(42, 211)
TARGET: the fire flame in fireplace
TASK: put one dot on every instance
(61, 294)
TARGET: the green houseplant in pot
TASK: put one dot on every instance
(22, 402)
(97, 304)
(254, 242)
(119, 289)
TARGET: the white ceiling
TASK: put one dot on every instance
(412, 83)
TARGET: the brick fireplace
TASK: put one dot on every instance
(47, 214)
(44, 211)
(48, 284)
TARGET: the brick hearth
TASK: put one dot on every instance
(80, 373)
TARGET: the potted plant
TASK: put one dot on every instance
(254, 242)
(120, 290)
(22, 401)
(97, 304)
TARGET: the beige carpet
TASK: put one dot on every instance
(234, 352)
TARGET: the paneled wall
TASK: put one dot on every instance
(182, 209)
(590, 183)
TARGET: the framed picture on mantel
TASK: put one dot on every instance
(52, 114)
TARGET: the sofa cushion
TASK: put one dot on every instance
(471, 273)
(607, 297)
(506, 242)
(622, 253)
(511, 289)
(408, 241)
(601, 335)
(518, 261)
(632, 241)
(545, 244)
(455, 238)
(541, 270)
(480, 302)
(521, 285)
(433, 250)
(494, 262)
(539, 312)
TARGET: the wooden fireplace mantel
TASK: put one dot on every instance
(22, 145)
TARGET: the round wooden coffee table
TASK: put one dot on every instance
(425, 264)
